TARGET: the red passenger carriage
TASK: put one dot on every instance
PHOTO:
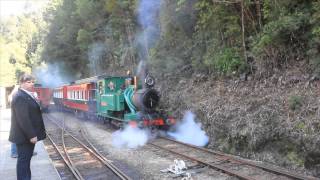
(44, 96)
(79, 98)
(58, 95)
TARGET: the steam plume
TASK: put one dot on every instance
(148, 13)
(96, 53)
(188, 131)
(50, 75)
(130, 137)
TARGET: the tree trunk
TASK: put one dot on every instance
(258, 9)
(242, 27)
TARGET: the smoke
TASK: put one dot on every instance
(130, 137)
(188, 131)
(148, 13)
(50, 75)
(148, 18)
(96, 53)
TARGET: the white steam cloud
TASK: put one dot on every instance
(188, 131)
(96, 53)
(148, 18)
(50, 75)
(130, 137)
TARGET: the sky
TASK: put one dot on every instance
(18, 7)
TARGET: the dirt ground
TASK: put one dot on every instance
(145, 162)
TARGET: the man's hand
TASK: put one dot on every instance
(34, 140)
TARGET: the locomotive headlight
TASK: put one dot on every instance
(149, 81)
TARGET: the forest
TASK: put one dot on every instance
(257, 60)
(217, 38)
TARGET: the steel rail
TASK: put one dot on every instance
(66, 152)
(106, 162)
(232, 158)
(227, 171)
(92, 146)
(64, 159)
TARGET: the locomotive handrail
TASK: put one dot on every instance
(128, 93)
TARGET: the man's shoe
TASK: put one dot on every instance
(14, 155)
(34, 153)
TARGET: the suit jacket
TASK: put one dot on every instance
(26, 119)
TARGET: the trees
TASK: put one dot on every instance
(19, 43)
(222, 37)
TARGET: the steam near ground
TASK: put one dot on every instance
(187, 131)
(130, 137)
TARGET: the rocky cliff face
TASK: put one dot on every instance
(275, 120)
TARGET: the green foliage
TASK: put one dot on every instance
(218, 35)
(83, 39)
(280, 30)
(283, 36)
(174, 48)
(20, 39)
(203, 34)
(300, 126)
(295, 102)
(96, 35)
(314, 43)
(295, 158)
(226, 61)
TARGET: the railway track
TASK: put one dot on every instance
(206, 159)
(79, 155)
(242, 169)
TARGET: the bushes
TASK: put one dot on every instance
(295, 102)
(226, 61)
(204, 34)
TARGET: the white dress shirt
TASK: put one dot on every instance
(32, 94)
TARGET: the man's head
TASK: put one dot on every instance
(27, 82)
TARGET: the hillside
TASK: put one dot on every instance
(274, 120)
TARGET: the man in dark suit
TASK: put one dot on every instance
(27, 125)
